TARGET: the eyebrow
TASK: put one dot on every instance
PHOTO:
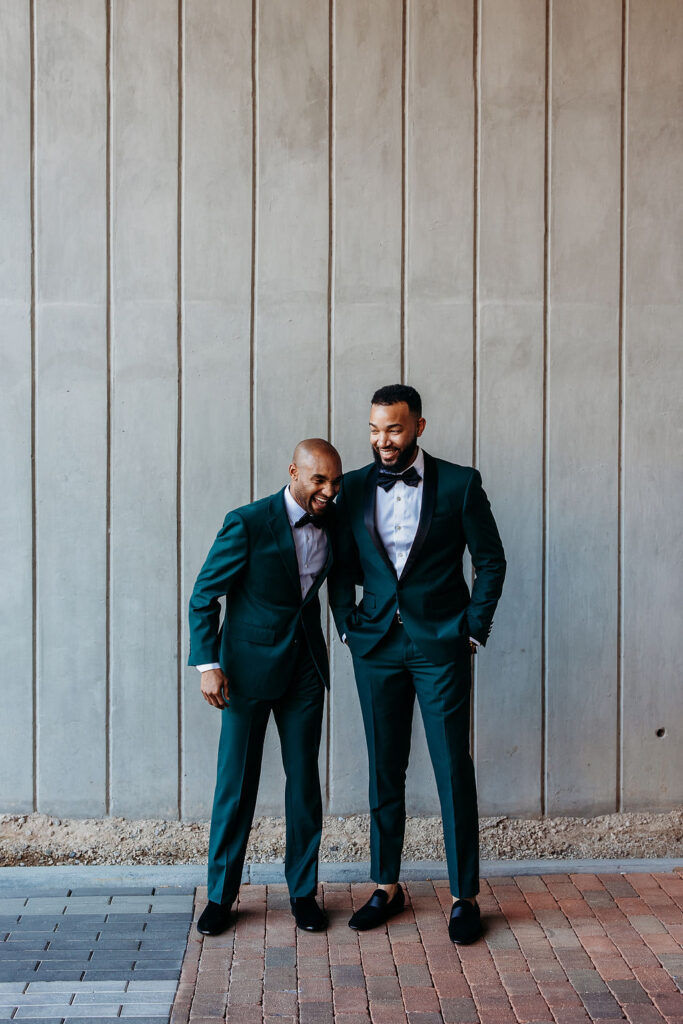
(388, 426)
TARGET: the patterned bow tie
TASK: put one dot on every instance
(308, 519)
(386, 481)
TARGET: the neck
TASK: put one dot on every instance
(289, 488)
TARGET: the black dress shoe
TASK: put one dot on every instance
(377, 910)
(214, 919)
(465, 923)
(308, 915)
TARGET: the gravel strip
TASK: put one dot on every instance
(37, 839)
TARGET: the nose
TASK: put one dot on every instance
(329, 490)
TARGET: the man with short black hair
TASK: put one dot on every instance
(403, 524)
(268, 561)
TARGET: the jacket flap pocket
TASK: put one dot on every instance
(238, 630)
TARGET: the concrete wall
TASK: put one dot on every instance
(224, 223)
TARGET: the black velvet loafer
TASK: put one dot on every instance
(215, 918)
(308, 915)
(465, 923)
(377, 910)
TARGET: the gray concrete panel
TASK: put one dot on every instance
(144, 626)
(216, 291)
(290, 351)
(583, 404)
(653, 384)
(16, 515)
(439, 240)
(509, 423)
(366, 340)
(71, 396)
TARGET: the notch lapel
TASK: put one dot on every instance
(426, 512)
(282, 533)
(369, 518)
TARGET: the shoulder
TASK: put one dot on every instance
(452, 471)
(256, 511)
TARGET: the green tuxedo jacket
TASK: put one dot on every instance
(431, 594)
(253, 564)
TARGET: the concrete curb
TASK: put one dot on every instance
(30, 879)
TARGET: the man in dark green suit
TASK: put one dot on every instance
(268, 561)
(403, 523)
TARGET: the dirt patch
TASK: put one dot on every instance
(38, 839)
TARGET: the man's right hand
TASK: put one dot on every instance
(215, 688)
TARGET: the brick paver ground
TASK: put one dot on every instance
(557, 948)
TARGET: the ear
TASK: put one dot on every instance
(293, 471)
(421, 424)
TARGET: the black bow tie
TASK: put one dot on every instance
(386, 481)
(308, 519)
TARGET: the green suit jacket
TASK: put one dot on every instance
(253, 564)
(431, 594)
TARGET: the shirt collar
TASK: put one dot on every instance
(294, 509)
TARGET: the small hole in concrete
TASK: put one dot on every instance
(661, 732)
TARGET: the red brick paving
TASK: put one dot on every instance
(558, 949)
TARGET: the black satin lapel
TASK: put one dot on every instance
(282, 532)
(426, 512)
(369, 516)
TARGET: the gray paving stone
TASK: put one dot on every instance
(53, 1010)
(72, 921)
(151, 996)
(152, 965)
(99, 890)
(115, 943)
(49, 974)
(12, 973)
(116, 1020)
(37, 922)
(157, 975)
(43, 1020)
(105, 975)
(91, 1010)
(154, 953)
(118, 986)
(63, 954)
(7, 921)
(12, 905)
(149, 986)
(12, 986)
(47, 904)
(177, 890)
(145, 1010)
(105, 959)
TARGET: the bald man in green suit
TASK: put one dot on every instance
(403, 524)
(269, 656)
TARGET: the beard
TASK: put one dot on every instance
(403, 460)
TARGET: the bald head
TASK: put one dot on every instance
(311, 448)
(315, 475)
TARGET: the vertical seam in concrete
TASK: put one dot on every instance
(254, 245)
(404, 179)
(108, 330)
(179, 429)
(622, 407)
(330, 326)
(34, 524)
(545, 446)
(476, 77)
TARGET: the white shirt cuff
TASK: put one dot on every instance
(475, 642)
(206, 668)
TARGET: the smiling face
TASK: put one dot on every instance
(394, 431)
(315, 478)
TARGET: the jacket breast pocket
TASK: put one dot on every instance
(250, 632)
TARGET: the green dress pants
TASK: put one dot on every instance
(298, 716)
(388, 680)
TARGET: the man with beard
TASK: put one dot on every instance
(403, 524)
(268, 561)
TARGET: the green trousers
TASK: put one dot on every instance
(388, 680)
(298, 716)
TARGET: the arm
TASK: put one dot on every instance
(226, 559)
(346, 569)
(488, 559)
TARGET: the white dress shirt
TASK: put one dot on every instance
(310, 544)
